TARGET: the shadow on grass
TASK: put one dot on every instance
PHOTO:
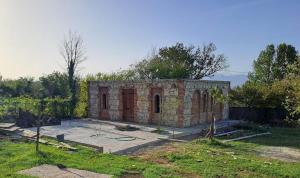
(287, 137)
(214, 142)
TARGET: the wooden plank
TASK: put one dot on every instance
(245, 137)
(228, 133)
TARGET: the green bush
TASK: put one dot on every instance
(52, 107)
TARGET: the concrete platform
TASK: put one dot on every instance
(50, 171)
(104, 133)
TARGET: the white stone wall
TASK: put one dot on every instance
(93, 100)
(143, 103)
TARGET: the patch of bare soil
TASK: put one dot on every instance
(280, 153)
(155, 156)
(132, 175)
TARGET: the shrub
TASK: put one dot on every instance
(53, 107)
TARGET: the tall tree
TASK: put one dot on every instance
(294, 69)
(285, 55)
(180, 61)
(263, 66)
(73, 53)
(272, 64)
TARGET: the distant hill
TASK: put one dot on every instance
(235, 79)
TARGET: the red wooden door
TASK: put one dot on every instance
(128, 105)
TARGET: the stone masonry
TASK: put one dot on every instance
(170, 102)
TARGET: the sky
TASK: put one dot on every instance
(117, 33)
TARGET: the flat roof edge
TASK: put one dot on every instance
(157, 80)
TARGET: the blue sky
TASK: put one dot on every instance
(118, 33)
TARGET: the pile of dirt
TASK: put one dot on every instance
(126, 128)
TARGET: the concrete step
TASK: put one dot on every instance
(6, 125)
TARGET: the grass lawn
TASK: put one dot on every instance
(16, 156)
(199, 158)
(232, 159)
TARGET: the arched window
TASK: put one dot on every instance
(104, 101)
(157, 104)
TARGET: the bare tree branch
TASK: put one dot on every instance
(73, 53)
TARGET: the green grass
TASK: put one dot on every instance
(214, 159)
(233, 159)
(16, 156)
(201, 158)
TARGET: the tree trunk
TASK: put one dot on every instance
(37, 136)
(212, 127)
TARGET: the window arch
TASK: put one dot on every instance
(196, 108)
(157, 103)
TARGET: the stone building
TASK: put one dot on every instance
(171, 102)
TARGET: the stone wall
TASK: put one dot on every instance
(176, 99)
(192, 86)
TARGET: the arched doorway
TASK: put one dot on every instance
(204, 107)
(196, 98)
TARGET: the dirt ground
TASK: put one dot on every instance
(280, 153)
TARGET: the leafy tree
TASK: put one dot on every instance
(285, 55)
(258, 95)
(22, 86)
(180, 61)
(115, 76)
(263, 66)
(73, 53)
(55, 85)
(294, 69)
(82, 105)
(272, 64)
(218, 98)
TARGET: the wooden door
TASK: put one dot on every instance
(128, 105)
(103, 103)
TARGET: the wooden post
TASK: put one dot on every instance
(38, 122)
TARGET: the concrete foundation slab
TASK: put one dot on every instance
(104, 133)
